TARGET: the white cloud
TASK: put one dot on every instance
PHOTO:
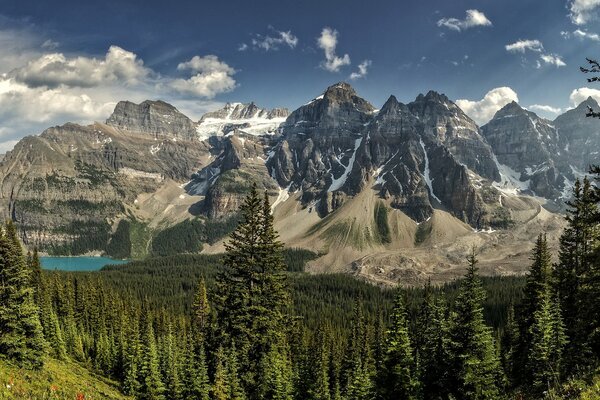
(521, 45)
(55, 69)
(583, 11)
(581, 94)
(481, 111)
(553, 59)
(45, 89)
(328, 42)
(50, 44)
(268, 42)
(472, 19)
(212, 76)
(581, 34)
(545, 109)
(243, 47)
(362, 70)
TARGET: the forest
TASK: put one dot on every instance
(250, 324)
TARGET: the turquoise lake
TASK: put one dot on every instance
(78, 263)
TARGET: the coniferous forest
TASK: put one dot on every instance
(248, 325)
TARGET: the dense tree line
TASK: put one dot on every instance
(242, 327)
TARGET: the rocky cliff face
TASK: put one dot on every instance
(65, 187)
(460, 134)
(157, 118)
(337, 145)
(533, 149)
(578, 138)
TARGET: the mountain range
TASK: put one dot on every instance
(396, 194)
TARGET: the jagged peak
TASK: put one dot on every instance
(390, 105)
(589, 102)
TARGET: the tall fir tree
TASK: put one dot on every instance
(252, 295)
(151, 386)
(21, 337)
(475, 371)
(397, 376)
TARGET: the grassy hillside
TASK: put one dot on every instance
(57, 380)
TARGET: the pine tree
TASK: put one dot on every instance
(276, 374)
(547, 343)
(252, 297)
(432, 346)
(195, 374)
(151, 386)
(397, 378)
(508, 345)
(573, 270)
(475, 369)
(201, 309)
(21, 337)
(35, 267)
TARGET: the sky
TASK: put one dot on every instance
(66, 60)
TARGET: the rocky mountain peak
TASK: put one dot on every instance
(155, 117)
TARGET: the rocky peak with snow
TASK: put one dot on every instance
(528, 145)
(444, 120)
(244, 118)
(157, 118)
(578, 136)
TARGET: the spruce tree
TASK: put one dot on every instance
(397, 376)
(151, 385)
(21, 337)
(475, 369)
(252, 297)
(432, 346)
(201, 316)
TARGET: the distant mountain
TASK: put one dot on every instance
(399, 193)
(247, 118)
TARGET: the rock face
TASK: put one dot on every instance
(157, 118)
(578, 138)
(460, 134)
(65, 187)
(337, 145)
(546, 157)
(245, 118)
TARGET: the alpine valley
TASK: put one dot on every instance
(397, 194)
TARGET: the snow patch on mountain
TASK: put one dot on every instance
(428, 180)
(337, 183)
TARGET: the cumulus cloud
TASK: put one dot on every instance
(472, 19)
(52, 88)
(328, 42)
(583, 11)
(211, 77)
(362, 70)
(55, 69)
(269, 43)
(581, 94)
(521, 45)
(481, 111)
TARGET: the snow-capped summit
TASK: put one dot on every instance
(247, 118)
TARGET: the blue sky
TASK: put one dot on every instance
(72, 60)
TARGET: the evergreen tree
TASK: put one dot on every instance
(573, 270)
(196, 383)
(251, 292)
(547, 343)
(508, 345)
(21, 337)
(201, 309)
(35, 267)
(432, 346)
(397, 378)
(151, 386)
(475, 369)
